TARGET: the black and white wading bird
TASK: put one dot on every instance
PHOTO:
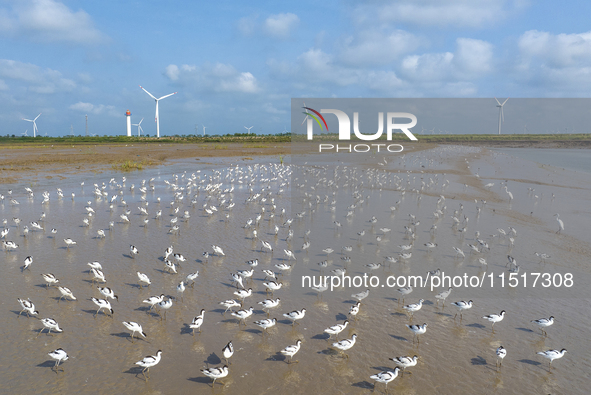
(148, 362)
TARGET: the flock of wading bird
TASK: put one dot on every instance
(211, 194)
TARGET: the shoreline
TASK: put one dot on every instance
(31, 158)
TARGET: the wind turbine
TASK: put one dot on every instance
(204, 130)
(139, 127)
(248, 128)
(501, 113)
(157, 100)
(24, 134)
(35, 130)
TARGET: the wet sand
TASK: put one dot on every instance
(454, 356)
(35, 161)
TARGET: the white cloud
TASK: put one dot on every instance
(555, 64)
(318, 66)
(556, 51)
(384, 81)
(317, 71)
(428, 67)
(374, 47)
(97, 109)
(34, 77)
(451, 74)
(455, 13)
(472, 59)
(3, 86)
(172, 72)
(49, 21)
(245, 82)
(281, 25)
(217, 78)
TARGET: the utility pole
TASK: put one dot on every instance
(86, 125)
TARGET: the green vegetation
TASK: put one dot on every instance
(130, 165)
(176, 139)
(264, 141)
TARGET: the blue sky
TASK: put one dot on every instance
(237, 64)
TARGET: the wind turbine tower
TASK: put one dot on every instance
(157, 100)
(501, 113)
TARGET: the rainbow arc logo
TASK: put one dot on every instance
(315, 117)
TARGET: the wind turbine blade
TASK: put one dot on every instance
(306, 117)
(151, 95)
(30, 120)
(140, 122)
(498, 102)
(38, 116)
(504, 102)
(164, 97)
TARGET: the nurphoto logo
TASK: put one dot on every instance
(345, 124)
(392, 122)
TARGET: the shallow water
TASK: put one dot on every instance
(454, 356)
(572, 159)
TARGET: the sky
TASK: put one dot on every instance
(237, 64)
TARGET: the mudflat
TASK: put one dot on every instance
(60, 160)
